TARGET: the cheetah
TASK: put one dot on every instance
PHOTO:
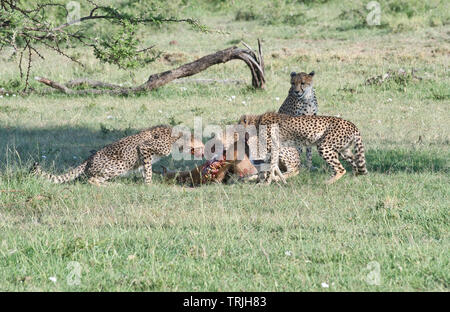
(333, 137)
(301, 100)
(124, 155)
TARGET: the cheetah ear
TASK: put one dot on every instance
(311, 73)
(293, 74)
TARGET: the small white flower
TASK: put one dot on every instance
(338, 115)
(277, 98)
(288, 253)
(183, 88)
(7, 94)
(53, 279)
(243, 102)
(74, 157)
(13, 95)
(109, 117)
(379, 121)
(389, 100)
(325, 285)
(43, 156)
(1, 96)
(160, 111)
(233, 97)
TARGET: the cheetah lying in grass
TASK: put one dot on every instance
(333, 137)
(124, 155)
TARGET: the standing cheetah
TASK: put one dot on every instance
(143, 148)
(301, 100)
(333, 137)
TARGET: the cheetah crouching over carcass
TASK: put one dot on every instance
(333, 137)
(126, 154)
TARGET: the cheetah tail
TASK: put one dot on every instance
(69, 176)
(360, 155)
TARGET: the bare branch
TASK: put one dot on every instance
(54, 85)
(91, 83)
(157, 80)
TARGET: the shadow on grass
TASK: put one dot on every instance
(406, 160)
(389, 161)
(61, 148)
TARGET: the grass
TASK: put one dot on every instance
(241, 237)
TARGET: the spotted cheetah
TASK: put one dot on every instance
(333, 137)
(124, 155)
(301, 100)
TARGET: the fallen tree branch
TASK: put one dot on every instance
(209, 81)
(90, 83)
(54, 85)
(254, 62)
(66, 90)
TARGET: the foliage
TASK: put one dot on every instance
(272, 13)
(28, 27)
(121, 48)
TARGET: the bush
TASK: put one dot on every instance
(273, 13)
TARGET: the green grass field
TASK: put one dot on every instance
(304, 236)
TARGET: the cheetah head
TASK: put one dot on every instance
(247, 120)
(183, 144)
(301, 82)
(35, 169)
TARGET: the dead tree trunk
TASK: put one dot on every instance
(254, 61)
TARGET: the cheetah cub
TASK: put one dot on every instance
(333, 137)
(301, 100)
(124, 155)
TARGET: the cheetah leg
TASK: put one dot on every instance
(309, 159)
(300, 152)
(348, 156)
(147, 170)
(290, 161)
(145, 157)
(287, 175)
(274, 168)
(332, 159)
(278, 172)
(275, 175)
